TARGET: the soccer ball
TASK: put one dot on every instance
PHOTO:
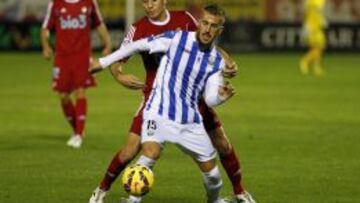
(137, 180)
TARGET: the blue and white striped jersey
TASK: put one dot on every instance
(182, 76)
(186, 73)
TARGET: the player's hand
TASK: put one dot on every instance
(47, 52)
(95, 66)
(130, 81)
(231, 69)
(226, 91)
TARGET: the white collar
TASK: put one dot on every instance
(72, 1)
(161, 23)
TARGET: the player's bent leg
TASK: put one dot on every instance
(229, 160)
(68, 109)
(150, 153)
(121, 160)
(80, 117)
(220, 141)
(231, 164)
(152, 150)
(318, 69)
(304, 64)
(117, 165)
(212, 181)
(131, 149)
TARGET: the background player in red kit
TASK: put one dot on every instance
(158, 20)
(72, 21)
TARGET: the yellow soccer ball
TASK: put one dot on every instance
(137, 180)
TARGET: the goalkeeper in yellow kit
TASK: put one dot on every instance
(313, 32)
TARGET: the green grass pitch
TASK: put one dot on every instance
(298, 137)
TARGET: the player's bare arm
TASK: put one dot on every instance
(105, 38)
(47, 50)
(231, 68)
(127, 80)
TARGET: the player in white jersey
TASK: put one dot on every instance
(190, 68)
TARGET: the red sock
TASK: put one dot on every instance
(231, 165)
(69, 112)
(80, 110)
(113, 171)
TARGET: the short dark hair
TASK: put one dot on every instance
(215, 9)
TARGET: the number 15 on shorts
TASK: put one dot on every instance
(151, 127)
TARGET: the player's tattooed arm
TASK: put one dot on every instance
(47, 50)
(231, 68)
(127, 80)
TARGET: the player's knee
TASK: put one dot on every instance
(64, 97)
(212, 179)
(129, 152)
(151, 150)
(80, 93)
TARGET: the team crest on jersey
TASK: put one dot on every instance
(63, 10)
(212, 60)
(83, 9)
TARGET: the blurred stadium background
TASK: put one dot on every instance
(297, 136)
(253, 25)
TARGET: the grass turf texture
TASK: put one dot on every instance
(297, 136)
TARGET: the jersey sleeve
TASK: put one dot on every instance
(49, 20)
(211, 93)
(129, 36)
(96, 17)
(161, 43)
(192, 22)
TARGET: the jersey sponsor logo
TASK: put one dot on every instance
(73, 23)
(212, 60)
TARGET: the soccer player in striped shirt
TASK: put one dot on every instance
(191, 66)
(72, 21)
(158, 20)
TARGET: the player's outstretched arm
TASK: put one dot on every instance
(231, 68)
(105, 38)
(47, 50)
(123, 52)
(159, 44)
(127, 80)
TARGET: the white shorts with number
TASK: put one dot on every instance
(191, 138)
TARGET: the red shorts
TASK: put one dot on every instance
(211, 120)
(71, 72)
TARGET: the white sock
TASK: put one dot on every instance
(146, 161)
(213, 184)
(134, 199)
